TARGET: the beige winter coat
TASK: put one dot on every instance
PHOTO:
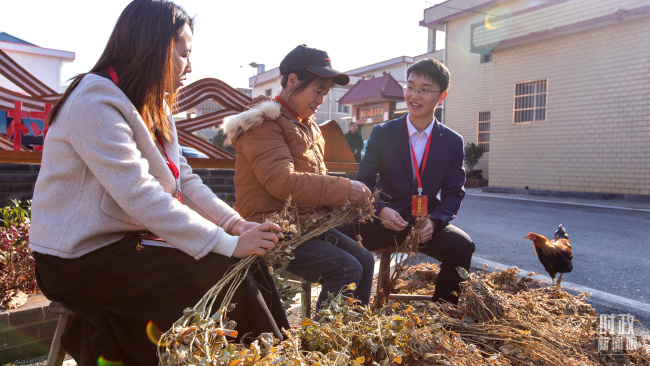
(103, 176)
(278, 157)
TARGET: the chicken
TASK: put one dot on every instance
(555, 255)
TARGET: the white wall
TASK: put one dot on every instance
(45, 68)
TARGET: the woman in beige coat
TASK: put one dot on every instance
(115, 238)
(280, 153)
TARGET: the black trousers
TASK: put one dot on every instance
(449, 244)
(118, 290)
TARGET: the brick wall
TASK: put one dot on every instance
(27, 332)
(17, 182)
(595, 137)
(469, 89)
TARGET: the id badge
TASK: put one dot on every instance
(179, 196)
(419, 205)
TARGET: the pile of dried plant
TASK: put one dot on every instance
(501, 319)
(524, 320)
(418, 280)
(200, 334)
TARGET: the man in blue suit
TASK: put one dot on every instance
(419, 165)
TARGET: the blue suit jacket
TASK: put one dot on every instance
(387, 165)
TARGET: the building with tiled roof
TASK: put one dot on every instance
(44, 63)
(554, 91)
(374, 100)
(374, 89)
(396, 67)
(6, 37)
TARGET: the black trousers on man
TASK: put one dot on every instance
(449, 244)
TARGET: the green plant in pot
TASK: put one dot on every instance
(473, 154)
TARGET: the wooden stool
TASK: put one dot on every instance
(384, 267)
(305, 292)
(305, 299)
(384, 275)
(57, 353)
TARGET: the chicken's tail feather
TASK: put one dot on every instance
(560, 233)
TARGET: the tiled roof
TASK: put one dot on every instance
(5, 37)
(375, 89)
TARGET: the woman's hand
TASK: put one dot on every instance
(241, 226)
(391, 219)
(358, 192)
(256, 240)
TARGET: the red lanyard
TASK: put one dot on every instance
(415, 162)
(113, 74)
(169, 161)
(285, 105)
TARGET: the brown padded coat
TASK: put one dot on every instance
(278, 157)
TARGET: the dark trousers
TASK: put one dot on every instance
(335, 261)
(449, 244)
(119, 293)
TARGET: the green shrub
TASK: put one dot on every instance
(473, 154)
(218, 141)
(16, 259)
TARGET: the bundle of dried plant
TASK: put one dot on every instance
(199, 333)
(294, 234)
(408, 251)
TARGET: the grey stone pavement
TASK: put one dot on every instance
(597, 200)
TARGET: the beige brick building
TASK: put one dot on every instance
(557, 90)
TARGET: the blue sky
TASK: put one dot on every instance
(230, 35)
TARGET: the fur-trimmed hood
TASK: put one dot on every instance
(236, 125)
(277, 158)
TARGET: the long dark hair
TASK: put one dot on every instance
(140, 50)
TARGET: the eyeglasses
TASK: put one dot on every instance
(424, 93)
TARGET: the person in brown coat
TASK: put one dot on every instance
(280, 153)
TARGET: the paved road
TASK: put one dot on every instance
(610, 245)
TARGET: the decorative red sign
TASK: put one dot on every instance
(45, 117)
(17, 128)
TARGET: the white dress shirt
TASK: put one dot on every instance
(418, 141)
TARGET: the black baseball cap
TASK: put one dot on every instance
(314, 61)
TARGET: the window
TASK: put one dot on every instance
(268, 92)
(484, 131)
(343, 108)
(530, 101)
(487, 57)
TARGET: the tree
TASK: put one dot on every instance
(473, 154)
(217, 140)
